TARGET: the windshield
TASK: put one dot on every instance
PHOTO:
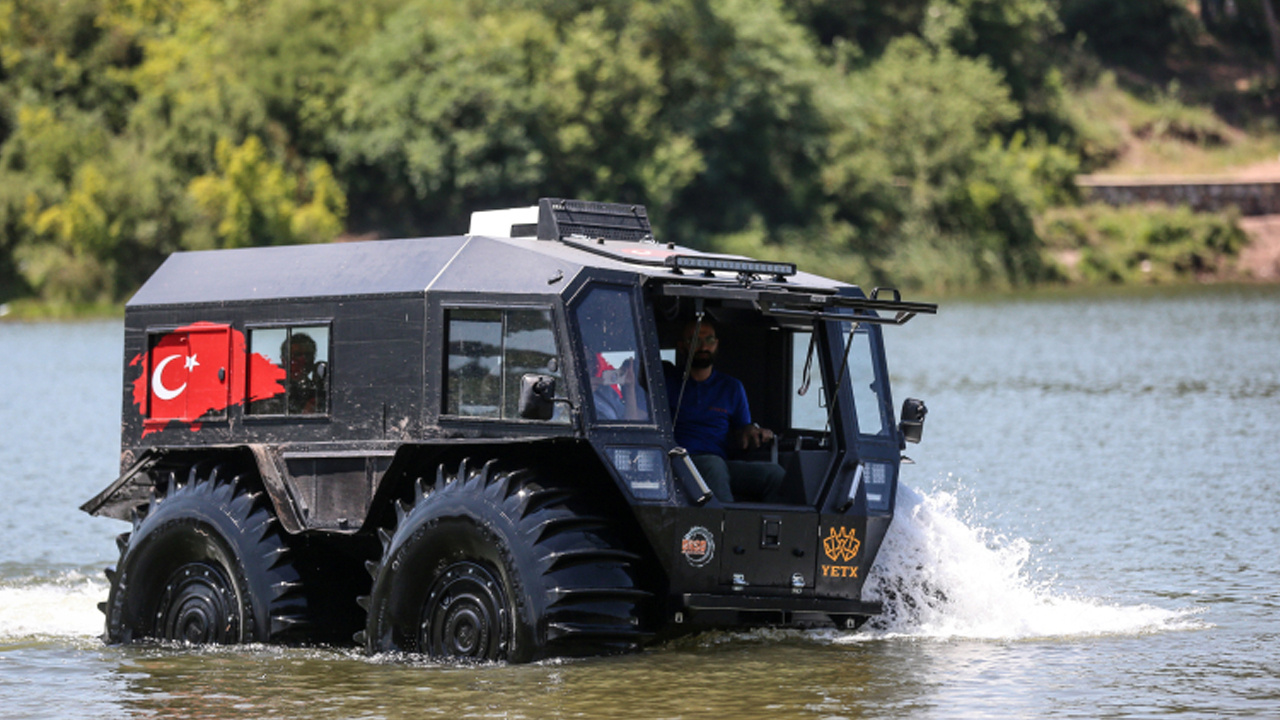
(610, 355)
(865, 382)
(809, 391)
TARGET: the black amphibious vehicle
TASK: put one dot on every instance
(417, 443)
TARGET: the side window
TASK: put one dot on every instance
(529, 346)
(488, 352)
(610, 347)
(808, 410)
(475, 363)
(302, 352)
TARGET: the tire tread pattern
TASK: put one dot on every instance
(586, 592)
(208, 497)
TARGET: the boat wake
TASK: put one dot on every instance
(61, 607)
(942, 577)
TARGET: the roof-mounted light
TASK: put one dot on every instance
(709, 264)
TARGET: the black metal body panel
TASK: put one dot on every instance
(768, 547)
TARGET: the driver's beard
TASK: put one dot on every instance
(702, 360)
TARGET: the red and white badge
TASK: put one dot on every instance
(198, 372)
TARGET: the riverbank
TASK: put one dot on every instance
(1257, 261)
(1260, 259)
(33, 310)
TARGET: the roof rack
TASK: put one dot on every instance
(812, 306)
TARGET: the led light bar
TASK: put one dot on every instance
(708, 264)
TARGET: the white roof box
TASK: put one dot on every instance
(508, 222)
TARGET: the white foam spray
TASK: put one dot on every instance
(938, 575)
(61, 607)
(942, 577)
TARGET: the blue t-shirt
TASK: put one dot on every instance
(709, 410)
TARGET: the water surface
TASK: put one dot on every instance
(1090, 531)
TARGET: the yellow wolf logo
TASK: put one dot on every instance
(841, 545)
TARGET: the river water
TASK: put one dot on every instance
(1090, 530)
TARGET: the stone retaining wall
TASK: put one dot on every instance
(1252, 197)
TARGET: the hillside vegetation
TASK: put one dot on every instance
(931, 144)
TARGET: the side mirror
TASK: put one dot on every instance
(912, 425)
(537, 396)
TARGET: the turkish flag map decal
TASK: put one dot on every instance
(198, 371)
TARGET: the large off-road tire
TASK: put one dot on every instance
(503, 566)
(205, 563)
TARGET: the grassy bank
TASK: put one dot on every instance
(31, 309)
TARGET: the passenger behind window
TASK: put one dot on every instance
(306, 376)
(616, 392)
(610, 354)
(303, 357)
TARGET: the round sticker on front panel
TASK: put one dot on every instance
(698, 546)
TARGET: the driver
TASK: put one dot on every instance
(713, 418)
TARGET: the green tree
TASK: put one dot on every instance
(192, 82)
(72, 195)
(294, 55)
(920, 169)
(41, 165)
(742, 80)
(1013, 36)
(916, 138)
(439, 113)
(868, 25)
(702, 108)
(1251, 24)
(115, 108)
(253, 200)
(58, 49)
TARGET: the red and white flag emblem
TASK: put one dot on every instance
(197, 372)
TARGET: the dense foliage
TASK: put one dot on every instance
(917, 139)
(1101, 244)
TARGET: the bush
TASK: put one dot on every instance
(1098, 243)
(1166, 117)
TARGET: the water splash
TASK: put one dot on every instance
(942, 577)
(938, 574)
(61, 607)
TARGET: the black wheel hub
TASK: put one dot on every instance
(465, 615)
(199, 605)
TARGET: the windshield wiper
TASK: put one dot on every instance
(807, 375)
